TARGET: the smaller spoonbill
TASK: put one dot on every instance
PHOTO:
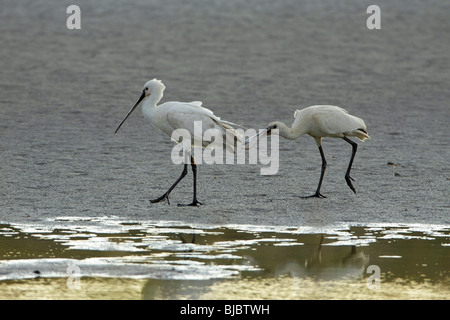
(173, 115)
(321, 121)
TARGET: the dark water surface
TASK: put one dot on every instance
(170, 261)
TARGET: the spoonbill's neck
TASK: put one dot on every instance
(152, 100)
(289, 133)
(150, 105)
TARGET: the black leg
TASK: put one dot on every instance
(324, 166)
(347, 174)
(165, 196)
(195, 202)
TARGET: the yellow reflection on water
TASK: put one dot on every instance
(56, 289)
(286, 288)
(151, 262)
(281, 288)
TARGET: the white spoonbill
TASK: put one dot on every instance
(321, 121)
(170, 116)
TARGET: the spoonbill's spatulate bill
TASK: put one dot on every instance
(319, 122)
(170, 116)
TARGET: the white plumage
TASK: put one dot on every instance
(321, 121)
(329, 121)
(173, 115)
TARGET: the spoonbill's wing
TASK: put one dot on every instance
(227, 124)
(183, 115)
(198, 104)
(337, 122)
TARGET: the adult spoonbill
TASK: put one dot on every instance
(321, 121)
(173, 115)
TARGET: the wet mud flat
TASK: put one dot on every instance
(74, 197)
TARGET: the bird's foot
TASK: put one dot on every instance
(165, 196)
(194, 203)
(315, 195)
(349, 180)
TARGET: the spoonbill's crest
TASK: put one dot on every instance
(154, 87)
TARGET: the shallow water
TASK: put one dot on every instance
(109, 258)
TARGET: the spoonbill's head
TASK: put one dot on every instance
(153, 88)
(275, 125)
